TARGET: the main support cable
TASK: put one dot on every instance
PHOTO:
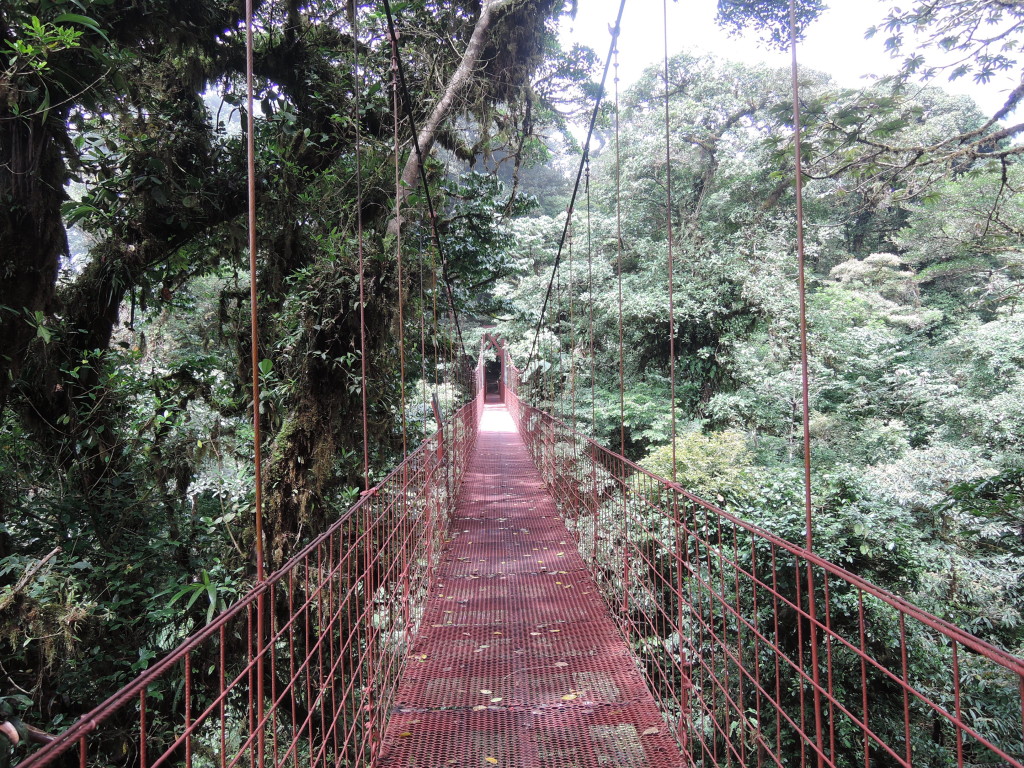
(576, 185)
(805, 389)
(369, 681)
(254, 348)
(590, 309)
(668, 222)
(618, 265)
(398, 243)
(802, 283)
(359, 250)
(423, 173)
(254, 342)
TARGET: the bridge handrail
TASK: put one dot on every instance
(718, 698)
(456, 450)
(983, 647)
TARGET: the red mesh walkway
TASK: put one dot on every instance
(518, 662)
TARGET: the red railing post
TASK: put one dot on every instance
(369, 666)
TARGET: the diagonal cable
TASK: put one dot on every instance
(423, 173)
(576, 186)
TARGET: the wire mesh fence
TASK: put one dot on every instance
(303, 670)
(758, 651)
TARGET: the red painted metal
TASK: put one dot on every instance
(527, 600)
(758, 651)
(334, 639)
(519, 662)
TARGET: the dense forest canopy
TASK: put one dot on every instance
(125, 435)
(915, 331)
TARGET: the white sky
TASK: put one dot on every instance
(834, 43)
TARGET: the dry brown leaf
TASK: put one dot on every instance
(650, 731)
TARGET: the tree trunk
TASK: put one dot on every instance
(32, 236)
(456, 86)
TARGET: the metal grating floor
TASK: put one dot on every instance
(518, 663)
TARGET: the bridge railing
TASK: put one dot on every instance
(758, 651)
(303, 670)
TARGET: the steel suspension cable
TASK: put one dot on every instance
(359, 248)
(590, 304)
(558, 342)
(254, 347)
(668, 203)
(398, 242)
(254, 342)
(576, 184)
(424, 381)
(436, 333)
(801, 280)
(805, 385)
(618, 263)
(423, 172)
(572, 340)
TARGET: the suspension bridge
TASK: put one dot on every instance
(514, 594)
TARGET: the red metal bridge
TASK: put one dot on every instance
(514, 594)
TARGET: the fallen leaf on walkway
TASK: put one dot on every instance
(650, 732)
(479, 707)
(496, 699)
(535, 633)
(405, 734)
(491, 760)
(485, 691)
(561, 664)
(569, 697)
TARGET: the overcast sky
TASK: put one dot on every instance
(834, 44)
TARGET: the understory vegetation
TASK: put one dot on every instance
(126, 456)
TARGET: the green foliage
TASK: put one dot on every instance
(717, 466)
(914, 337)
(952, 30)
(770, 17)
